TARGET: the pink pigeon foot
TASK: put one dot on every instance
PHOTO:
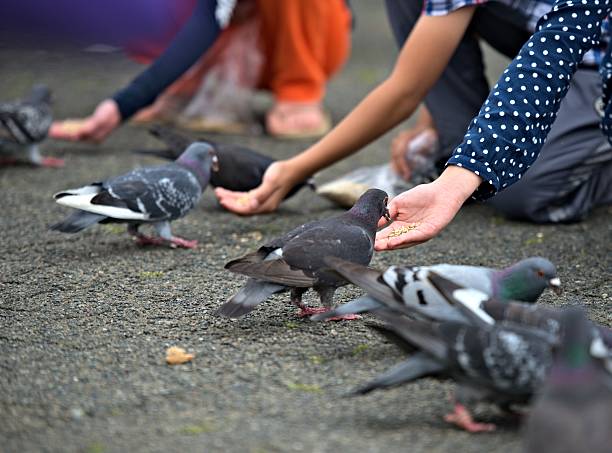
(349, 317)
(52, 162)
(175, 242)
(183, 243)
(309, 311)
(463, 419)
(141, 239)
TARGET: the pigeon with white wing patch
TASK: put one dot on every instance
(523, 281)
(503, 364)
(155, 195)
(296, 261)
(239, 168)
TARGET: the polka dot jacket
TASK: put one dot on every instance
(503, 141)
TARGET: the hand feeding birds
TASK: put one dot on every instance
(155, 195)
(239, 168)
(24, 124)
(295, 261)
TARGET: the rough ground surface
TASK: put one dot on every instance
(85, 319)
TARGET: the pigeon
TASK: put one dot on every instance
(480, 308)
(503, 364)
(295, 262)
(154, 195)
(523, 281)
(23, 125)
(573, 412)
(240, 168)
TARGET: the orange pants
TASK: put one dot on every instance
(304, 43)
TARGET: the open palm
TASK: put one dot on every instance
(418, 215)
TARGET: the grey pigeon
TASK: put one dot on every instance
(23, 125)
(498, 363)
(480, 308)
(295, 261)
(523, 281)
(154, 195)
(573, 413)
(240, 168)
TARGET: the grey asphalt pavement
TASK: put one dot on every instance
(85, 319)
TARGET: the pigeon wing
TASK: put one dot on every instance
(273, 271)
(162, 193)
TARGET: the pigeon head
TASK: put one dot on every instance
(371, 206)
(526, 279)
(573, 354)
(39, 94)
(200, 158)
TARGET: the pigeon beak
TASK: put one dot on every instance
(555, 285)
(215, 163)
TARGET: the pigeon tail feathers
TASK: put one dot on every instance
(417, 366)
(77, 221)
(244, 301)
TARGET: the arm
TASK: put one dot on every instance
(506, 137)
(400, 142)
(387, 105)
(196, 36)
(511, 128)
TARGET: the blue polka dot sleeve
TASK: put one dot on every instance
(505, 138)
(605, 69)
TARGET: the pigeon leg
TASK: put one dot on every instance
(36, 158)
(52, 162)
(463, 419)
(296, 299)
(164, 231)
(326, 294)
(142, 239)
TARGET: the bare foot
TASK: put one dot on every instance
(297, 120)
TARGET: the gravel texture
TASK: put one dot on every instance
(85, 319)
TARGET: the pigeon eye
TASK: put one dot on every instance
(540, 273)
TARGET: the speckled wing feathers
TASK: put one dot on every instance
(166, 192)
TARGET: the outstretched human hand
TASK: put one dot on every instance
(398, 150)
(421, 213)
(94, 128)
(277, 182)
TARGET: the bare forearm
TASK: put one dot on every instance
(458, 184)
(380, 111)
(396, 98)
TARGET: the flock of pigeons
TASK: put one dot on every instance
(477, 326)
